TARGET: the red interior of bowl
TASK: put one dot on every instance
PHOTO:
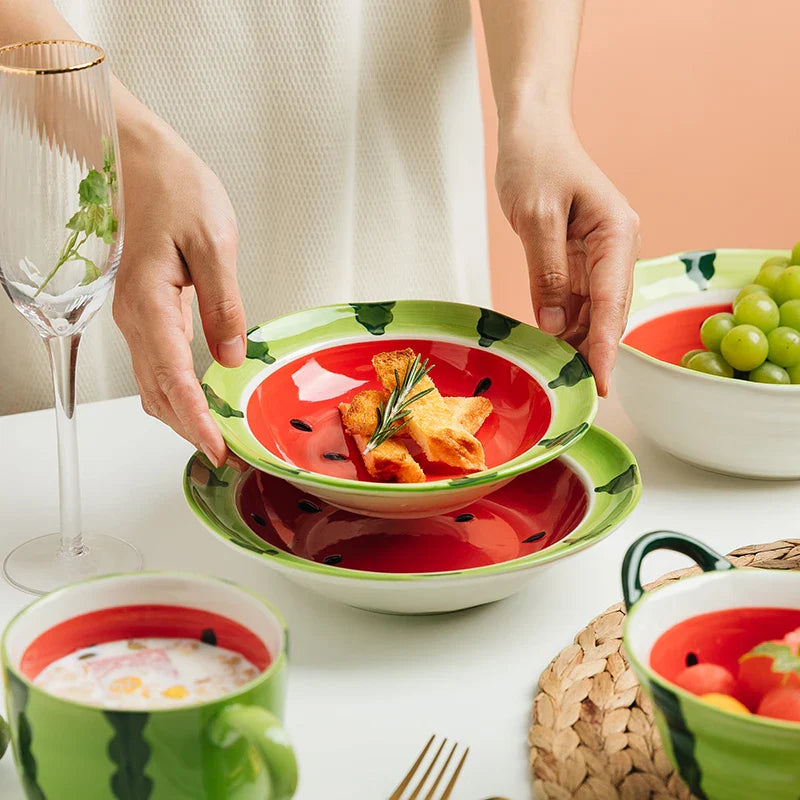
(670, 336)
(532, 512)
(720, 637)
(141, 621)
(294, 411)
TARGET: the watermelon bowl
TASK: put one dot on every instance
(446, 562)
(734, 427)
(712, 619)
(279, 412)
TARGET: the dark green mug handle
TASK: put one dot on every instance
(707, 559)
(5, 736)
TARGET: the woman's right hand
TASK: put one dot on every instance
(180, 239)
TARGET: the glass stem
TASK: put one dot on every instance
(63, 352)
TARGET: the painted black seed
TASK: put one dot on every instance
(691, 659)
(300, 425)
(332, 560)
(483, 386)
(335, 456)
(465, 517)
(258, 519)
(535, 537)
(209, 637)
(86, 655)
(307, 505)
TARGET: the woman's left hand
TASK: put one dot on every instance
(581, 237)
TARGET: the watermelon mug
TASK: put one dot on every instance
(721, 755)
(229, 748)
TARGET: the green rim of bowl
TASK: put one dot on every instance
(558, 367)
(692, 273)
(682, 694)
(607, 467)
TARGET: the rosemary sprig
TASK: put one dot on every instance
(394, 414)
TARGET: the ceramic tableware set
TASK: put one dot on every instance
(295, 497)
(298, 499)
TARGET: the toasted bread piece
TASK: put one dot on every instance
(360, 414)
(471, 412)
(390, 461)
(431, 423)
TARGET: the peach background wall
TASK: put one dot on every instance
(692, 107)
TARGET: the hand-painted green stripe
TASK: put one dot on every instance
(467, 480)
(681, 737)
(258, 350)
(220, 406)
(130, 752)
(375, 317)
(494, 327)
(19, 702)
(565, 437)
(574, 371)
(625, 480)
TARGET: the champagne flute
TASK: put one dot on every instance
(61, 233)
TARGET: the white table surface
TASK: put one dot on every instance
(366, 690)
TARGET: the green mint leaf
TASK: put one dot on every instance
(106, 224)
(92, 273)
(81, 222)
(93, 189)
(784, 659)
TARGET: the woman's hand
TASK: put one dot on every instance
(581, 237)
(180, 238)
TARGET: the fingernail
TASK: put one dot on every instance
(552, 320)
(232, 352)
(208, 450)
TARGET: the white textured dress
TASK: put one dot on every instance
(348, 134)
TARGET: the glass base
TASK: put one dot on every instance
(38, 566)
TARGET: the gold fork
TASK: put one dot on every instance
(431, 795)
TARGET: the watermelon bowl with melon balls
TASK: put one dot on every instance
(717, 655)
(712, 344)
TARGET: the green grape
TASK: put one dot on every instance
(713, 330)
(787, 286)
(784, 346)
(769, 373)
(795, 259)
(750, 289)
(790, 314)
(780, 261)
(711, 364)
(745, 347)
(759, 310)
(687, 356)
(768, 276)
(794, 373)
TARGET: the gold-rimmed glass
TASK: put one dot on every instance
(61, 236)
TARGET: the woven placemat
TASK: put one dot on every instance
(593, 735)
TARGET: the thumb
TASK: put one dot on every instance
(212, 266)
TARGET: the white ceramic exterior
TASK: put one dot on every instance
(428, 596)
(401, 505)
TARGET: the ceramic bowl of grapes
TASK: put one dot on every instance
(718, 655)
(709, 366)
